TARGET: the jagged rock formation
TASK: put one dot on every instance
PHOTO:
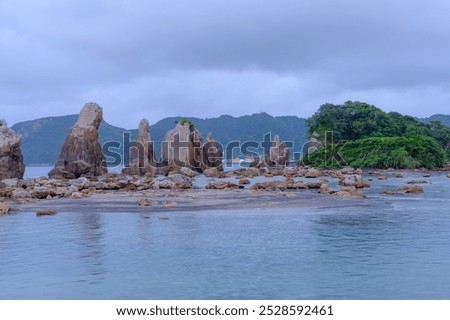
(279, 153)
(141, 156)
(278, 156)
(81, 153)
(212, 155)
(181, 147)
(11, 159)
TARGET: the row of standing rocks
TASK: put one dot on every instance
(81, 169)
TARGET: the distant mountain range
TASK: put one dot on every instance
(444, 118)
(43, 138)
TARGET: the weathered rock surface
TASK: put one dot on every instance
(212, 155)
(181, 147)
(81, 153)
(146, 202)
(173, 181)
(40, 213)
(312, 173)
(349, 192)
(278, 156)
(270, 186)
(244, 181)
(188, 172)
(212, 172)
(11, 159)
(223, 185)
(353, 180)
(141, 155)
(279, 153)
(412, 190)
(6, 208)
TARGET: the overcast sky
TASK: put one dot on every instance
(205, 58)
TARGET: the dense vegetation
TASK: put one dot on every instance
(380, 152)
(361, 135)
(189, 122)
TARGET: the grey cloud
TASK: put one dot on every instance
(213, 57)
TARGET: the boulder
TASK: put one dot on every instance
(11, 159)
(350, 181)
(9, 183)
(42, 192)
(324, 188)
(81, 153)
(77, 195)
(353, 180)
(181, 181)
(6, 208)
(448, 176)
(312, 173)
(279, 153)
(412, 190)
(349, 192)
(141, 155)
(188, 172)
(270, 186)
(212, 156)
(146, 202)
(244, 181)
(181, 147)
(20, 194)
(212, 172)
(163, 183)
(223, 185)
(382, 178)
(41, 213)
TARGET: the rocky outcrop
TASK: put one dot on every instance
(412, 190)
(181, 147)
(278, 156)
(353, 180)
(141, 157)
(41, 213)
(279, 153)
(226, 185)
(212, 173)
(6, 208)
(212, 155)
(11, 159)
(81, 153)
(348, 192)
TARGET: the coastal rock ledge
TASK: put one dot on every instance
(81, 154)
(11, 159)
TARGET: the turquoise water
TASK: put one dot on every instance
(382, 248)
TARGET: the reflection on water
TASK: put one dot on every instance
(91, 246)
(387, 248)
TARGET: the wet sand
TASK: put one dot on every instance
(189, 200)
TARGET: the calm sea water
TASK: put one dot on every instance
(383, 248)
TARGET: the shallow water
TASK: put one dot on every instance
(384, 248)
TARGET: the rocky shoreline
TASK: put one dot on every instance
(236, 189)
(81, 173)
